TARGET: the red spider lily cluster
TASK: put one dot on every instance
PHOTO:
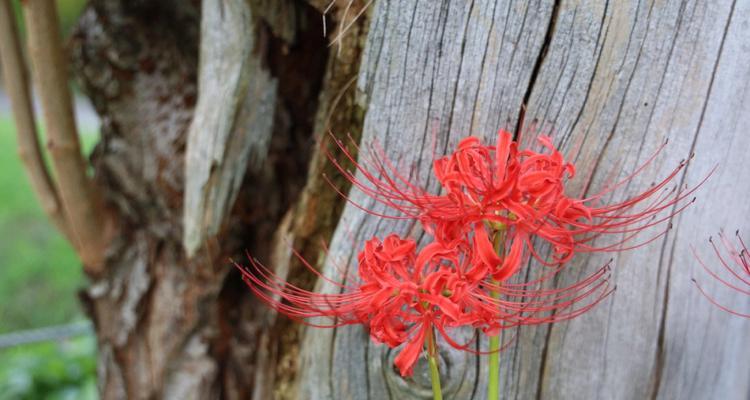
(735, 262)
(494, 201)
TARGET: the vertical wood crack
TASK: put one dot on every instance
(519, 127)
(537, 67)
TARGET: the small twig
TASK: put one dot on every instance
(344, 28)
(81, 204)
(325, 12)
(17, 85)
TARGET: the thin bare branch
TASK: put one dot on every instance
(17, 86)
(81, 204)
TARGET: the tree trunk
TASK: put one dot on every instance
(610, 81)
(616, 79)
(169, 325)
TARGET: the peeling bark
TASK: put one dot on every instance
(170, 326)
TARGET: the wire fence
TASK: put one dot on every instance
(48, 334)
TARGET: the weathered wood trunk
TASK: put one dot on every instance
(169, 325)
(611, 80)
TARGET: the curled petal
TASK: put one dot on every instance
(512, 261)
(484, 248)
(405, 360)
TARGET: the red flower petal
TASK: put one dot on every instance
(512, 260)
(484, 248)
(405, 360)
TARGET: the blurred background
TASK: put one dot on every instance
(46, 348)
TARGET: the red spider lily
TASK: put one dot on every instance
(495, 200)
(401, 294)
(522, 194)
(736, 266)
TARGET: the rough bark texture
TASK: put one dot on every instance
(611, 80)
(172, 326)
(233, 119)
(615, 79)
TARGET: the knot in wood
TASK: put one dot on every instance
(454, 365)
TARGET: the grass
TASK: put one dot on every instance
(39, 272)
(39, 277)
(65, 370)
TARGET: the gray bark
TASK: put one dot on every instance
(615, 79)
(233, 118)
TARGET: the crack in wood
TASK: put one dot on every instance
(537, 68)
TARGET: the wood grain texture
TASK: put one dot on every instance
(233, 118)
(612, 81)
(425, 65)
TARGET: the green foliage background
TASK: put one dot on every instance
(39, 277)
(54, 371)
(40, 272)
(68, 10)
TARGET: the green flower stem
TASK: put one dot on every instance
(432, 358)
(493, 384)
